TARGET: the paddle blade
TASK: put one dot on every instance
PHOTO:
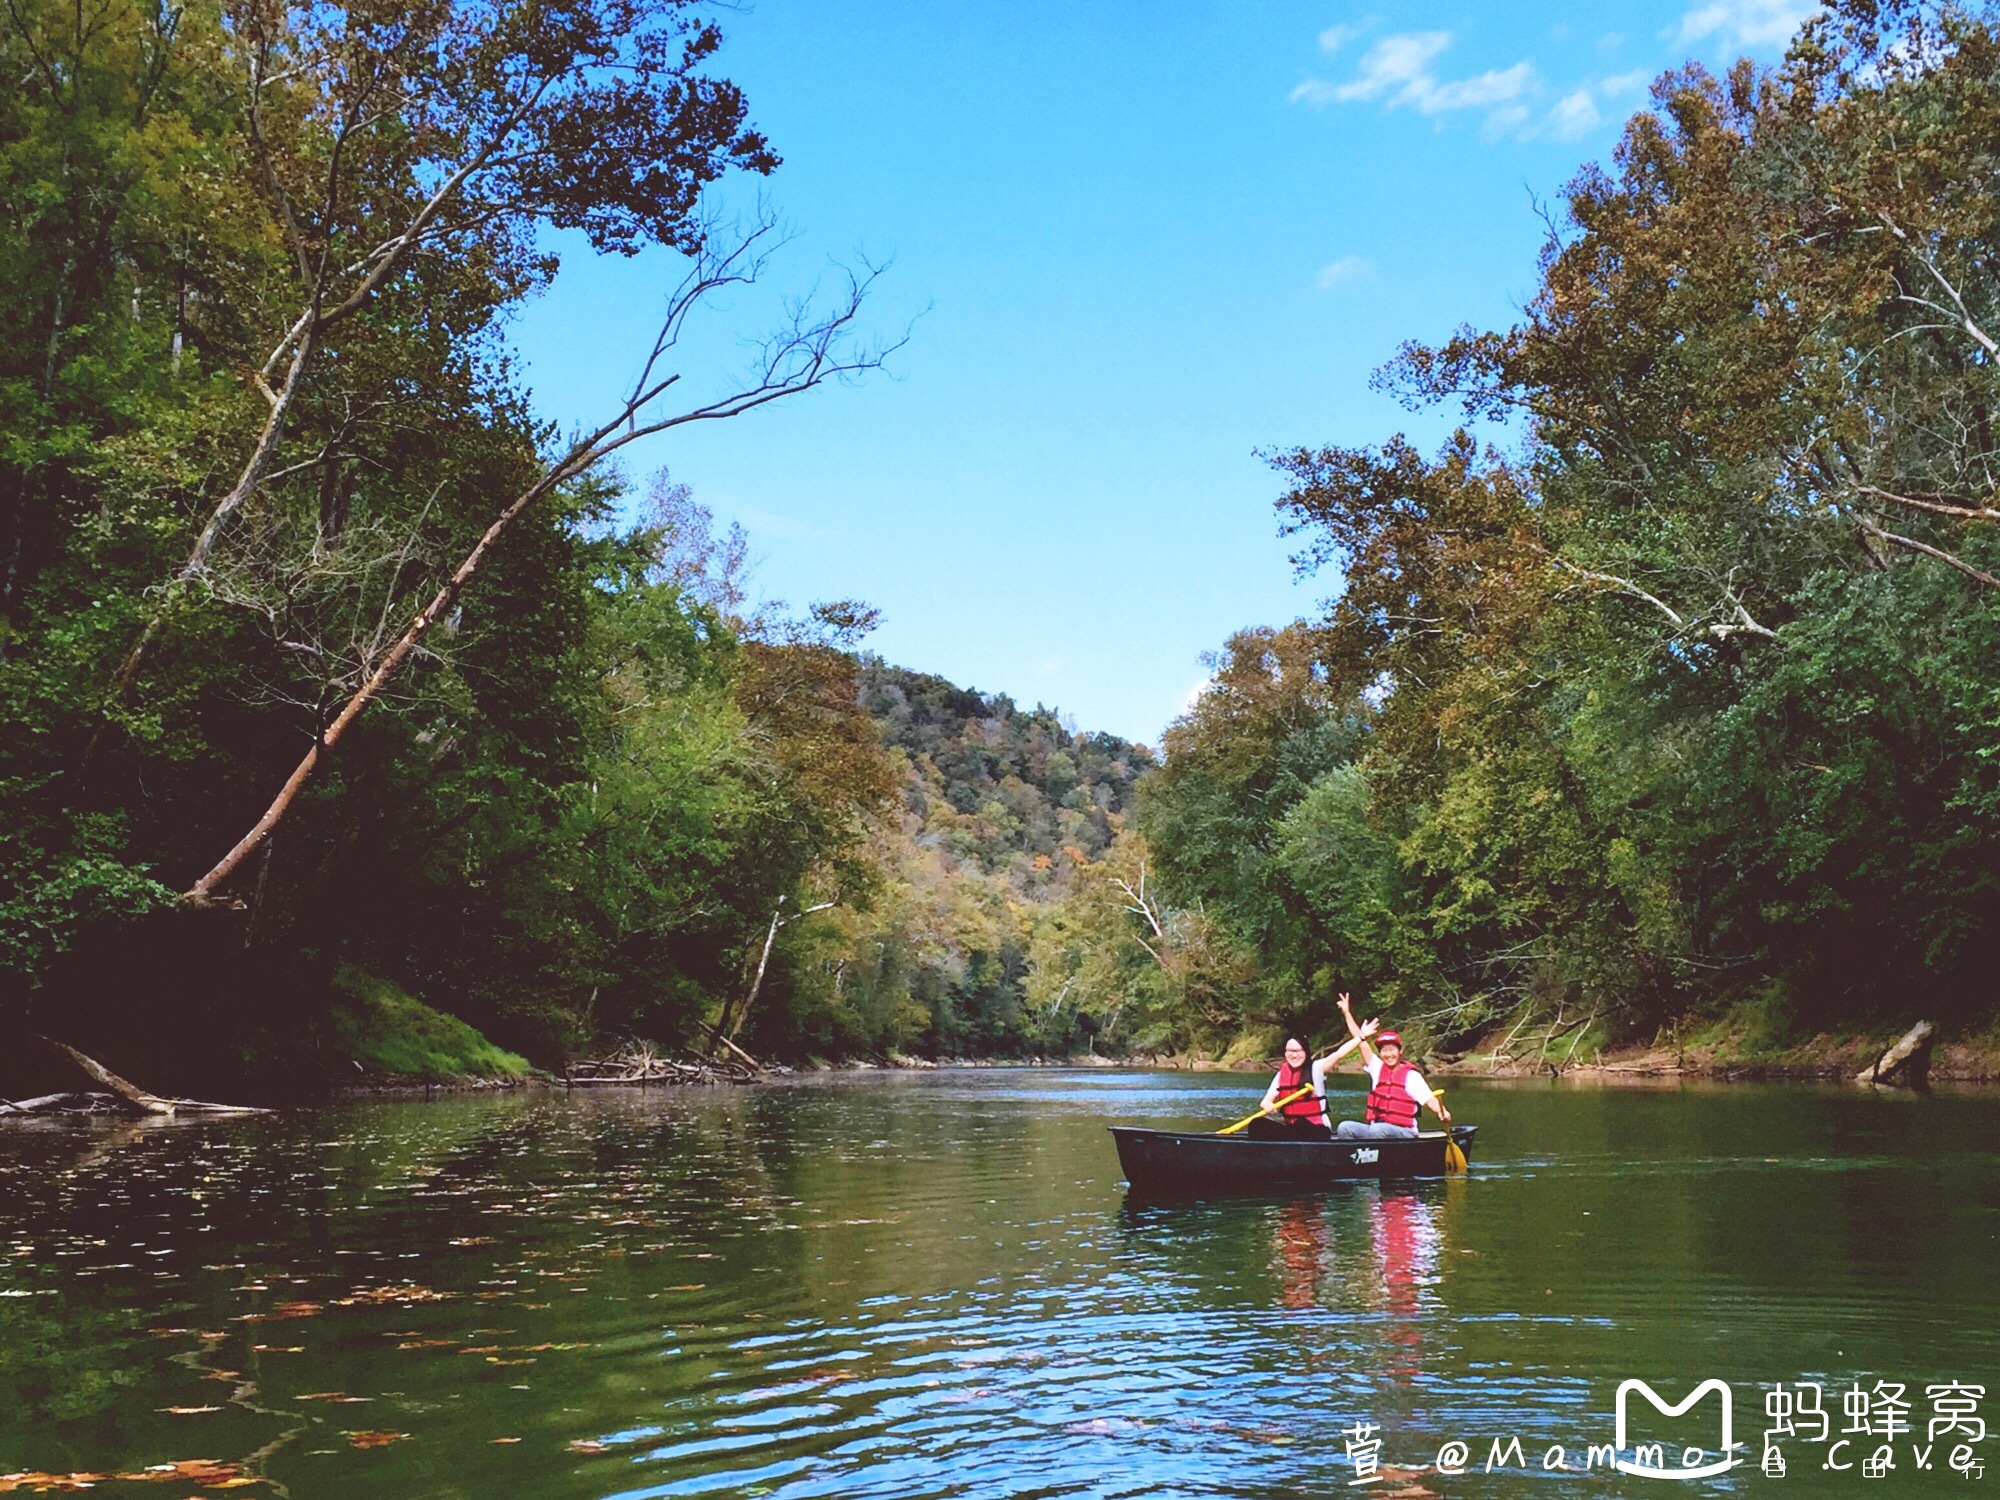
(1454, 1154)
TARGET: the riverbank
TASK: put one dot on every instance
(1710, 1056)
(1731, 1053)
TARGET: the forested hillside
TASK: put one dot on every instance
(1673, 701)
(333, 681)
(999, 809)
(331, 675)
(324, 663)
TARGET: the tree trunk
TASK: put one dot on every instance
(1906, 1064)
(725, 1032)
(103, 1077)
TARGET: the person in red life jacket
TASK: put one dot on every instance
(1305, 1115)
(1396, 1091)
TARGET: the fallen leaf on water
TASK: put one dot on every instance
(409, 1292)
(474, 1239)
(494, 1359)
(185, 1411)
(209, 1473)
(503, 1440)
(427, 1344)
(692, 1286)
(45, 1482)
(587, 1445)
(281, 1312)
(335, 1396)
(481, 1349)
(279, 1349)
(375, 1439)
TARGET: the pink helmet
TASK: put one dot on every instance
(1384, 1038)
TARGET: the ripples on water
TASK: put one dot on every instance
(935, 1285)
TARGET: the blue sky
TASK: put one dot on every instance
(1138, 242)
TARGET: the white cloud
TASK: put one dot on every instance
(1398, 66)
(1334, 273)
(1745, 23)
(1402, 71)
(1399, 70)
(1334, 38)
(1496, 86)
(1573, 115)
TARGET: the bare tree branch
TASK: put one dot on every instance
(807, 353)
(1911, 544)
(1929, 262)
(1623, 585)
(1932, 504)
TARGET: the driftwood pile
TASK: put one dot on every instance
(112, 1096)
(639, 1064)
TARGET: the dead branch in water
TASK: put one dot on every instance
(640, 1063)
(127, 1095)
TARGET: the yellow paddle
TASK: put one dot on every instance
(1297, 1094)
(1454, 1154)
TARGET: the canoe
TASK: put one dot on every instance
(1166, 1161)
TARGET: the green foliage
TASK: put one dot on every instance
(572, 812)
(386, 1030)
(1687, 707)
(1004, 817)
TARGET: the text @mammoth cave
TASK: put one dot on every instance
(1879, 1429)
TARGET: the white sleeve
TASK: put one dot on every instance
(1374, 1066)
(1413, 1083)
(1320, 1065)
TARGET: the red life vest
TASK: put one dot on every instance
(1389, 1102)
(1310, 1108)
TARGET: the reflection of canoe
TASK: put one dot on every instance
(1168, 1160)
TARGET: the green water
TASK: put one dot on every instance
(933, 1284)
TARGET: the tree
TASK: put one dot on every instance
(450, 133)
(809, 352)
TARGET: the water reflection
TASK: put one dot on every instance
(938, 1286)
(1302, 1247)
(1408, 1243)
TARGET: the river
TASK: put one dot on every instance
(916, 1284)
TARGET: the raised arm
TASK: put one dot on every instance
(1367, 1028)
(1325, 1064)
(1359, 1033)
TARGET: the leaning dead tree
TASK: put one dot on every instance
(1140, 905)
(810, 350)
(112, 1092)
(726, 1029)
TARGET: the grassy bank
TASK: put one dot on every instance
(388, 1035)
